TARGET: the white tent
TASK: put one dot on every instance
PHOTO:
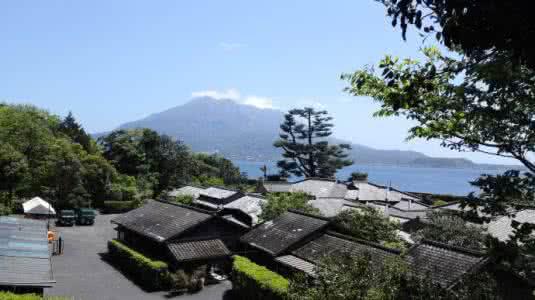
(38, 206)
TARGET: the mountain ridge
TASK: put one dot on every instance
(244, 132)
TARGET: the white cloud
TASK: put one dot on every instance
(259, 102)
(235, 95)
(230, 46)
(232, 94)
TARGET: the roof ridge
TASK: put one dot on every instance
(361, 241)
(186, 206)
(200, 186)
(453, 248)
(223, 188)
(308, 215)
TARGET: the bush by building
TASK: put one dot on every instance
(150, 274)
(251, 281)
(12, 296)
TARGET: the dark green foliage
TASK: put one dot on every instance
(452, 230)
(306, 152)
(251, 281)
(477, 28)
(358, 176)
(76, 133)
(157, 162)
(368, 224)
(357, 277)
(352, 277)
(279, 203)
(483, 106)
(215, 167)
(39, 157)
(184, 199)
(112, 207)
(150, 274)
(12, 296)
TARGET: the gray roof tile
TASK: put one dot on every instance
(161, 221)
(197, 250)
(297, 263)
(443, 264)
(24, 254)
(279, 234)
(332, 244)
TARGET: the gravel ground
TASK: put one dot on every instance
(81, 273)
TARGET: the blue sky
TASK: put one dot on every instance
(111, 62)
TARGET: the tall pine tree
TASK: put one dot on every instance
(306, 149)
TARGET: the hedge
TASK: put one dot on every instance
(251, 281)
(11, 296)
(118, 206)
(150, 274)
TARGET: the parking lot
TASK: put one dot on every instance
(81, 273)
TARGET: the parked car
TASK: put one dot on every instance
(66, 217)
(85, 216)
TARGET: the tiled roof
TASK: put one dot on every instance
(24, 253)
(25, 271)
(405, 204)
(249, 204)
(368, 191)
(352, 195)
(502, 229)
(197, 250)
(297, 263)
(161, 221)
(320, 188)
(332, 244)
(330, 207)
(442, 263)
(217, 193)
(276, 187)
(186, 190)
(277, 235)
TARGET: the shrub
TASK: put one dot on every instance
(11, 296)
(181, 281)
(118, 206)
(148, 273)
(439, 202)
(5, 210)
(251, 281)
(184, 199)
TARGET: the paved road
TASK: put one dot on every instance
(82, 274)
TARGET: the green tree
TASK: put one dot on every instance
(76, 133)
(279, 203)
(306, 151)
(369, 224)
(452, 230)
(13, 168)
(345, 276)
(478, 29)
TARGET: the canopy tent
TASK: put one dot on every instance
(38, 206)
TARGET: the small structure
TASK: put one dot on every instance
(281, 235)
(39, 208)
(331, 244)
(217, 197)
(24, 256)
(179, 233)
(188, 190)
(249, 205)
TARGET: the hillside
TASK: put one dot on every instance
(244, 132)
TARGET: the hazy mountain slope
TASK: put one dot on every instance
(245, 132)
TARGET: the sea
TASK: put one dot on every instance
(415, 179)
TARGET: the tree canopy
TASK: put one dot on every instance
(306, 151)
(279, 203)
(477, 28)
